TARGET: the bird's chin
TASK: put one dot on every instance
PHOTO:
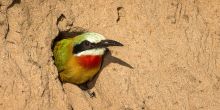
(97, 51)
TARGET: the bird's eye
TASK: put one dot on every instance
(87, 43)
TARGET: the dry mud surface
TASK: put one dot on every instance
(172, 45)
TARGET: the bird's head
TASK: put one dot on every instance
(91, 43)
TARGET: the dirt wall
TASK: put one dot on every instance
(173, 47)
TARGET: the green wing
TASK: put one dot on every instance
(62, 52)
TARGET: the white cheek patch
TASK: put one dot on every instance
(98, 51)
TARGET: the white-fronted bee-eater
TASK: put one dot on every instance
(79, 59)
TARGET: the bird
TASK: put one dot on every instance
(79, 59)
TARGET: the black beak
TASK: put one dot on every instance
(107, 43)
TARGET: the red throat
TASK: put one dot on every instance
(90, 61)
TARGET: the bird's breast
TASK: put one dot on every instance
(89, 61)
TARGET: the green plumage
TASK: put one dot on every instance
(62, 52)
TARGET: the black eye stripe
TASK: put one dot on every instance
(85, 45)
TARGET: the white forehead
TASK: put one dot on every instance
(94, 37)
